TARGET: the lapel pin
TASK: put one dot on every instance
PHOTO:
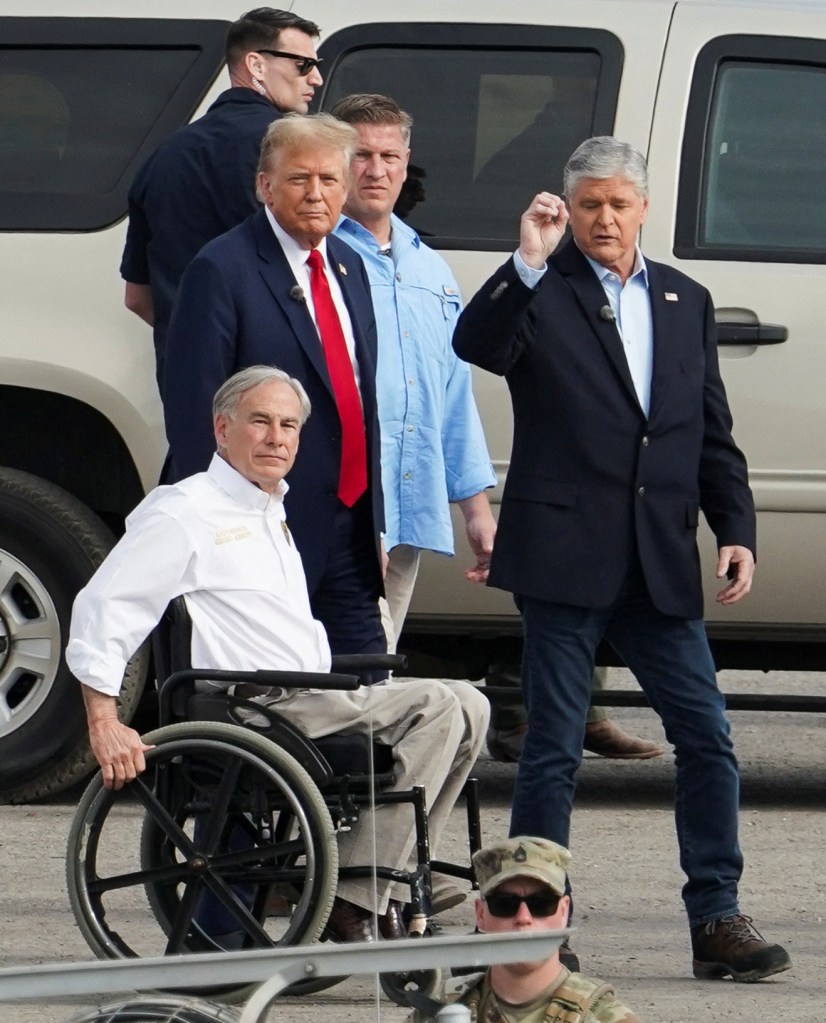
(342, 269)
(671, 296)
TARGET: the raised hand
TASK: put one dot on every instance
(541, 228)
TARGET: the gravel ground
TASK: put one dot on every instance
(629, 925)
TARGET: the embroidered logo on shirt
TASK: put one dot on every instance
(234, 533)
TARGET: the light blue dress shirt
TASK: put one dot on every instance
(433, 449)
(632, 312)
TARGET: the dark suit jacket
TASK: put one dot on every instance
(591, 479)
(234, 310)
(198, 184)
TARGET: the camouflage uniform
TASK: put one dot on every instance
(575, 999)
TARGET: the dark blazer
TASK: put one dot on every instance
(234, 310)
(198, 184)
(591, 480)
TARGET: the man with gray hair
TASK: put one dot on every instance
(278, 289)
(622, 435)
(220, 540)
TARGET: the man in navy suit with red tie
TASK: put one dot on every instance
(278, 290)
(622, 436)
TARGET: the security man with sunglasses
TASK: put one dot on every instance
(522, 888)
(201, 181)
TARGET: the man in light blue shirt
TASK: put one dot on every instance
(433, 447)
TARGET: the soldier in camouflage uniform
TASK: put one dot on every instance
(522, 888)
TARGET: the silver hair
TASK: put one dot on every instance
(604, 157)
(229, 395)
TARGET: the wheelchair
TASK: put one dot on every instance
(228, 840)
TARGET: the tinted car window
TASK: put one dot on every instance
(494, 118)
(81, 112)
(752, 188)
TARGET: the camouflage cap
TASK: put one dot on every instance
(522, 857)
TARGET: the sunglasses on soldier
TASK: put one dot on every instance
(506, 904)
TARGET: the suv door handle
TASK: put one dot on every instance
(742, 327)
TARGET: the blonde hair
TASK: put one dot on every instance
(293, 131)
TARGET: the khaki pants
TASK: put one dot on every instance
(436, 730)
(399, 581)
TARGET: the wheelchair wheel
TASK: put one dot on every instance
(160, 1010)
(398, 986)
(192, 855)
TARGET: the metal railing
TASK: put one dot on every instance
(273, 969)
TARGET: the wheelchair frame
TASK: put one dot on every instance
(245, 814)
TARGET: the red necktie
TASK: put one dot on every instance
(352, 480)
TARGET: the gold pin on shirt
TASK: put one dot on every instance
(287, 535)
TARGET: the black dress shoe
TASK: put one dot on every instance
(348, 922)
(391, 923)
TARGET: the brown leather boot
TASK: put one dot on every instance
(732, 947)
(607, 739)
(348, 922)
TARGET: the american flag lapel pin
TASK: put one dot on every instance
(671, 296)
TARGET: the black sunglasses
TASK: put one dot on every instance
(506, 904)
(304, 64)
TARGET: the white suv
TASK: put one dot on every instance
(727, 100)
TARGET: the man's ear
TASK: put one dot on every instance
(263, 188)
(220, 430)
(479, 906)
(253, 65)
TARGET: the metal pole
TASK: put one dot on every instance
(279, 967)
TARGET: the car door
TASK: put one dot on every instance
(737, 157)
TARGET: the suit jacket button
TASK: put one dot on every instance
(645, 442)
(641, 492)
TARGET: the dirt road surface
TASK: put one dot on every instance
(630, 927)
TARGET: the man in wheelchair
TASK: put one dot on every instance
(220, 540)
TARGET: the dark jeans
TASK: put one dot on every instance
(671, 659)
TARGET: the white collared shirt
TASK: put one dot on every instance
(297, 258)
(223, 544)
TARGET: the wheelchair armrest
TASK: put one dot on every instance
(263, 678)
(354, 663)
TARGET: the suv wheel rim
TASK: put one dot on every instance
(29, 643)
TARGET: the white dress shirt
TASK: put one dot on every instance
(223, 544)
